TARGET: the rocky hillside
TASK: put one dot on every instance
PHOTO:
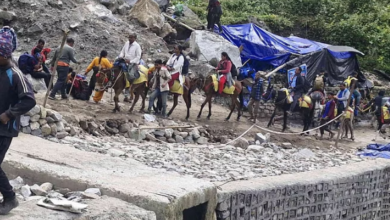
(94, 26)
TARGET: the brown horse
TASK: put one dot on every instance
(206, 84)
(118, 79)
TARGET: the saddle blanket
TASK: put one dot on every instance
(226, 90)
(176, 87)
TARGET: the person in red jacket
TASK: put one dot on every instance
(223, 69)
(328, 115)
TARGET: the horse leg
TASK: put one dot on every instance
(134, 102)
(272, 118)
(239, 109)
(232, 107)
(116, 100)
(208, 98)
(143, 96)
(187, 101)
(284, 120)
(175, 101)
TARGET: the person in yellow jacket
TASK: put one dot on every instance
(98, 63)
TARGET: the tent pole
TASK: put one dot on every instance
(275, 70)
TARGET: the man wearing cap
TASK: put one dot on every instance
(17, 98)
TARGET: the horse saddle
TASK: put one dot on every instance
(305, 102)
(226, 90)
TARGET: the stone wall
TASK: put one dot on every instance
(355, 191)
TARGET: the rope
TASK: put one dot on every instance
(294, 133)
(241, 134)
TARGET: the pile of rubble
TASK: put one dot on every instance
(40, 121)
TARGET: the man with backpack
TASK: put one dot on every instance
(297, 88)
(17, 98)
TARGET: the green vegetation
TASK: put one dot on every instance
(363, 24)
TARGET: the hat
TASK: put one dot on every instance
(5, 45)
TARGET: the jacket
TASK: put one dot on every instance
(131, 52)
(95, 62)
(214, 7)
(329, 110)
(164, 75)
(342, 96)
(257, 90)
(17, 98)
(299, 84)
(377, 101)
(67, 55)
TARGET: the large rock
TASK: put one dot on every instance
(207, 45)
(198, 68)
(37, 84)
(24, 120)
(166, 30)
(123, 9)
(102, 12)
(7, 15)
(46, 130)
(191, 19)
(241, 143)
(37, 190)
(147, 12)
(161, 3)
(34, 125)
(35, 118)
(34, 111)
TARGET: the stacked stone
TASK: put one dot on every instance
(199, 136)
(40, 121)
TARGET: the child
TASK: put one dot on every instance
(329, 113)
(257, 91)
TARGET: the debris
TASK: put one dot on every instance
(25, 191)
(37, 190)
(287, 145)
(47, 187)
(62, 205)
(94, 191)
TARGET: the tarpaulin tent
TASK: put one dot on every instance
(267, 50)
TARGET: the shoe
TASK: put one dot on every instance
(64, 97)
(52, 98)
(7, 205)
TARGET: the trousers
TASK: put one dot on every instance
(60, 85)
(42, 75)
(296, 97)
(256, 104)
(221, 84)
(325, 128)
(5, 186)
(164, 96)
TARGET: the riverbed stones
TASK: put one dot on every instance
(202, 140)
(62, 135)
(35, 118)
(34, 111)
(46, 130)
(37, 190)
(241, 143)
(179, 139)
(24, 120)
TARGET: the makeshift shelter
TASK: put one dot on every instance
(269, 51)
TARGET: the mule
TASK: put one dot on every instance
(207, 85)
(281, 103)
(188, 87)
(318, 99)
(117, 76)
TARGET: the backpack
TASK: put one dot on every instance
(12, 34)
(233, 70)
(186, 65)
(26, 63)
(306, 85)
(81, 89)
(318, 83)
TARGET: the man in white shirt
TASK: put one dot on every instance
(131, 53)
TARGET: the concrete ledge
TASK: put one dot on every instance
(165, 193)
(355, 191)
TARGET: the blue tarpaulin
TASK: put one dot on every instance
(376, 151)
(263, 46)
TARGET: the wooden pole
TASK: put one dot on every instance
(178, 22)
(343, 121)
(275, 70)
(55, 67)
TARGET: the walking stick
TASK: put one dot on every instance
(74, 79)
(55, 67)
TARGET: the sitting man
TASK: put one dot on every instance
(131, 53)
(297, 89)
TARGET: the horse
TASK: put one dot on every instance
(281, 102)
(207, 85)
(117, 76)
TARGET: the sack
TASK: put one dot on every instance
(233, 70)
(81, 89)
(26, 63)
(133, 73)
(11, 33)
(186, 65)
(318, 83)
(306, 85)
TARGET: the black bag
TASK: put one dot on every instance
(81, 90)
(233, 70)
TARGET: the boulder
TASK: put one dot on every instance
(112, 130)
(37, 84)
(171, 140)
(108, 3)
(287, 145)
(202, 68)
(62, 135)
(195, 133)
(46, 130)
(84, 125)
(24, 120)
(37, 132)
(50, 120)
(137, 135)
(191, 19)
(124, 128)
(26, 130)
(124, 9)
(161, 3)
(34, 111)
(7, 15)
(42, 121)
(168, 132)
(35, 29)
(183, 134)
(37, 190)
(189, 139)
(202, 140)
(167, 30)
(179, 139)
(47, 187)
(241, 143)
(35, 118)
(60, 126)
(148, 13)
(53, 128)
(159, 133)
(56, 116)
(207, 45)
(102, 12)
(261, 138)
(34, 125)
